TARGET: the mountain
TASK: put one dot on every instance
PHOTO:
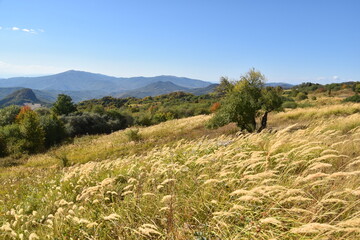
(153, 89)
(279, 84)
(20, 97)
(103, 85)
(4, 92)
(202, 91)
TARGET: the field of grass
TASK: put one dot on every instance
(178, 180)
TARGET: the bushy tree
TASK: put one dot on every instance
(245, 101)
(93, 123)
(3, 150)
(15, 143)
(54, 129)
(32, 132)
(8, 115)
(63, 105)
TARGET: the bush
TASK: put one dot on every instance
(355, 98)
(133, 135)
(8, 115)
(32, 132)
(15, 143)
(54, 130)
(3, 150)
(289, 105)
(92, 123)
(301, 96)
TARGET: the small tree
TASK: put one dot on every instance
(244, 102)
(271, 101)
(54, 129)
(63, 105)
(3, 150)
(8, 115)
(31, 131)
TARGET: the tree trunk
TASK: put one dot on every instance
(263, 122)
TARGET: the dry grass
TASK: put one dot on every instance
(182, 181)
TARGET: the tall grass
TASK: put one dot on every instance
(183, 182)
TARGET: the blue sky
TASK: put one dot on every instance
(289, 41)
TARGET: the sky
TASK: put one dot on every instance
(288, 41)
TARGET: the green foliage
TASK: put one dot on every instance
(32, 132)
(133, 135)
(3, 150)
(63, 105)
(8, 115)
(289, 104)
(355, 98)
(224, 87)
(243, 103)
(301, 96)
(54, 129)
(15, 143)
(78, 124)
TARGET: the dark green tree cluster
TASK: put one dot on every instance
(245, 100)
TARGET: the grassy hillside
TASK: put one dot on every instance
(298, 180)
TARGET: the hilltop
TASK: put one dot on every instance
(20, 97)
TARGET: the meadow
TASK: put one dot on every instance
(298, 179)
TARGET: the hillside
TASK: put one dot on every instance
(153, 89)
(298, 180)
(20, 97)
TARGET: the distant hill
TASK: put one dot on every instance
(154, 89)
(4, 92)
(101, 84)
(20, 97)
(279, 84)
(160, 88)
(202, 91)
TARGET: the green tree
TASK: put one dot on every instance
(224, 87)
(63, 105)
(3, 150)
(245, 101)
(8, 115)
(32, 132)
(54, 129)
(271, 100)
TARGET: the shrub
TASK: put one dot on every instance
(54, 130)
(355, 98)
(31, 131)
(92, 123)
(289, 105)
(301, 96)
(3, 150)
(8, 115)
(15, 143)
(133, 135)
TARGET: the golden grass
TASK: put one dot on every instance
(182, 181)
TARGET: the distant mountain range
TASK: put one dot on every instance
(84, 85)
(84, 81)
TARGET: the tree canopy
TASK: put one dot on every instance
(63, 105)
(245, 100)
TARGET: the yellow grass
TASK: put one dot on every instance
(182, 181)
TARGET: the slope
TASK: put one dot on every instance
(299, 182)
(20, 97)
(153, 89)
